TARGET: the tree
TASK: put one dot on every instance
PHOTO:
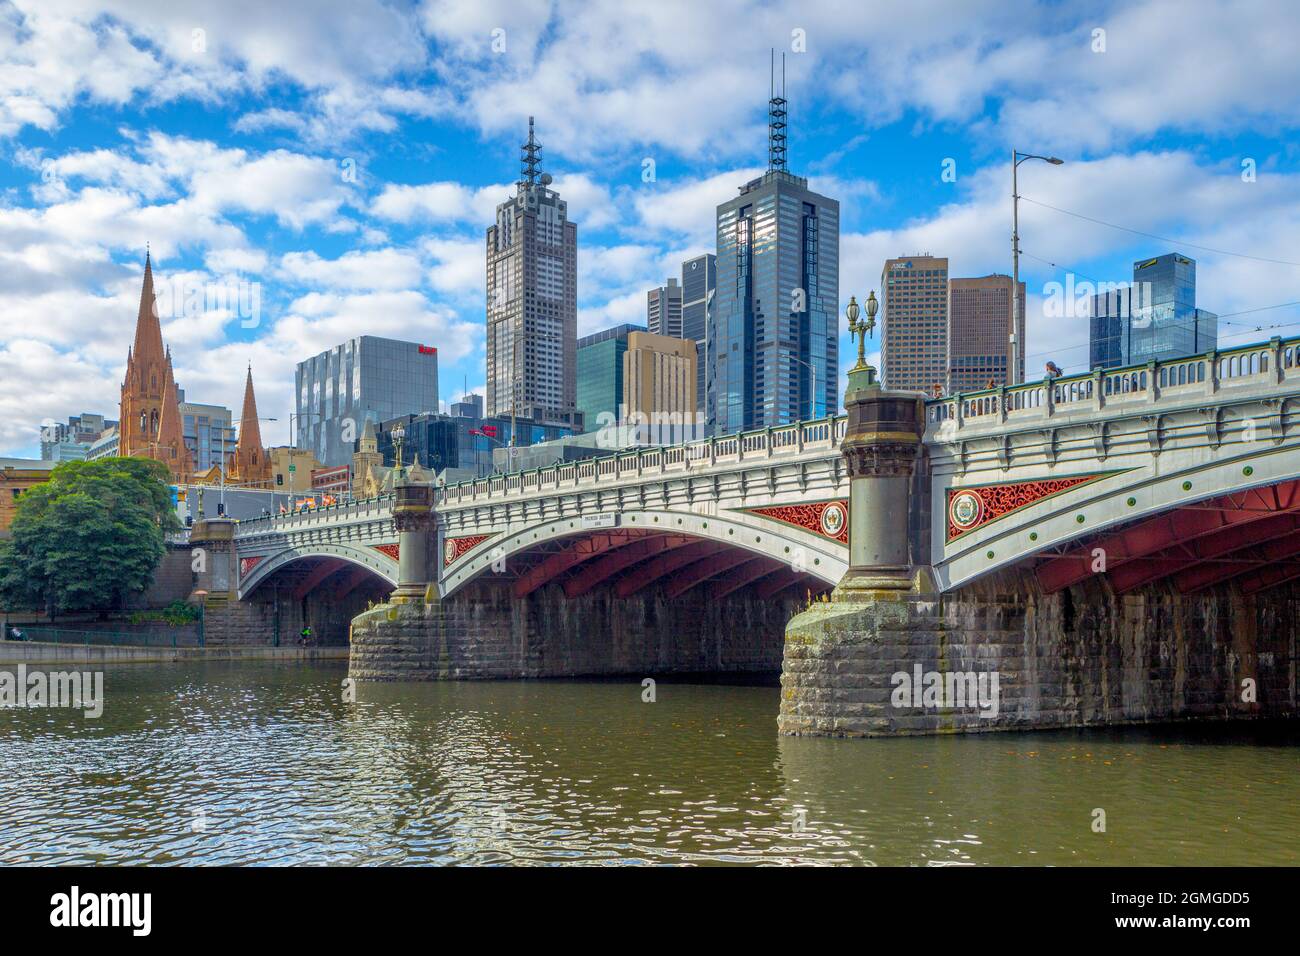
(88, 537)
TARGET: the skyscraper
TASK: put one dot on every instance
(775, 310)
(914, 306)
(664, 310)
(699, 281)
(364, 379)
(979, 340)
(532, 300)
(1154, 319)
(1166, 323)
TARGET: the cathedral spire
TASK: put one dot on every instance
(251, 465)
(150, 424)
(250, 434)
(148, 330)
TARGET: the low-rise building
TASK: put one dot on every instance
(291, 469)
(16, 476)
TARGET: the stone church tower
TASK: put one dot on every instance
(150, 413)
(250, 465)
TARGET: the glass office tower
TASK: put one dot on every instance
(1109, 327)
(699, 281)
(1154, 319)
(1166, 323)
(775, 310)
(364, 378)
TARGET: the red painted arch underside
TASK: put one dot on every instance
(630, 560)
(1250, 537)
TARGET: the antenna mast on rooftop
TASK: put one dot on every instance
(776, 118)
(530, 158)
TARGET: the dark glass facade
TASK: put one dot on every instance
(1154, 319)
(775, 309)
(699, 282)
(447, 441)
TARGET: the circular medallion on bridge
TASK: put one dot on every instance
(965, 510)
(833, 519)
(449, 551)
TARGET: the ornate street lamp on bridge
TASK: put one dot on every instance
(1013, 373)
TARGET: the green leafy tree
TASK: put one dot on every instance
(88, 537)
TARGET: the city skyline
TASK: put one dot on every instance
(369, 220)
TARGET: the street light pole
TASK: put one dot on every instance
(1013, 373)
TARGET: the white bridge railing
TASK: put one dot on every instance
(1264, 364)
(784, 440)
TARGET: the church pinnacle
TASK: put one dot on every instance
(150, 416)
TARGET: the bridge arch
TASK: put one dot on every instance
(377, 563)
(1097, 513)
(727, 551)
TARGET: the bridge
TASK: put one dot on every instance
(1169, 478)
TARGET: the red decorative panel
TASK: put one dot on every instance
(458, 547)
(247, 564)
(830, 519)
(388, 549)
(971, 508)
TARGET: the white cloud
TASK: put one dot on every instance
(379, 269)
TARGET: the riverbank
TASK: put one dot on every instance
(27, 652)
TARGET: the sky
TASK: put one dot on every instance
(307, 172)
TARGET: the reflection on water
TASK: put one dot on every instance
(263, 763)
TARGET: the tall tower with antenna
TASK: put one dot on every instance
(774, 340)
(532, 303)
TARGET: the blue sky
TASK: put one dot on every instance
(344, 158)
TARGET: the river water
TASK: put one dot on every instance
(267, 763)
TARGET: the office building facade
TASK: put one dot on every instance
(699, 283)
(914, 320)
(71, 441)
(659, 388)
(980, 313)
(364, 379)
(441, 442)
(664, 310)
(600, 375)
(1166, 324)
(532, 300)
(209, 433)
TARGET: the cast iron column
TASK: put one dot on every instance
(880, 448)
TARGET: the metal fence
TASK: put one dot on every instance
(61, 635)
